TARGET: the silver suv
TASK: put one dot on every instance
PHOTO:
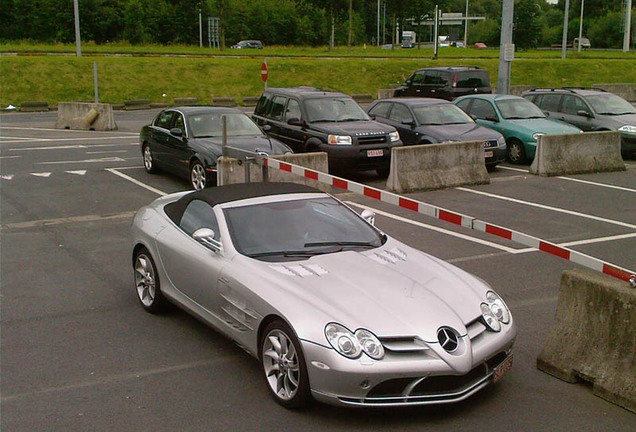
(589, 110)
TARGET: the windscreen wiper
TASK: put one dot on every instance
(342, 243)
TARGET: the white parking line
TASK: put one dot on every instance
(59, 139)
(546, 207)
(605, 185)
(599, 184)
(135, 181)
(112, 159)
(442, 230)
(65, 130)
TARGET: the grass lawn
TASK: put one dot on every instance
(195, 72)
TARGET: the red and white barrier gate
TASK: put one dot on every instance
(454, 218)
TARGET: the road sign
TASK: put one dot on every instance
(264, 71)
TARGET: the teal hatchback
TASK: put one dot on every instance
(520, 121)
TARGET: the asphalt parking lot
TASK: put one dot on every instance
(78, 352)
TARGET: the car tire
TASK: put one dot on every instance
(284, 365)
(147, 283)
(516, 154)
(198, 176)
(149, 161)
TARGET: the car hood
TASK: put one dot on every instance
(353, 128)
(459, 132)
(248, 143)
(391, 291)
(542, 125)
(622, 120)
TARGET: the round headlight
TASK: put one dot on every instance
(498, 307)
(342, 340)
(370, 344)
(536, 136)
(489, 317)
(395, 136)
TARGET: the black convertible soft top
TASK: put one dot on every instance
(235, 192)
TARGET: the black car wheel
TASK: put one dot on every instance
(147, 283)
(198, 177)
(284, 365)
(516, 152)
(149, 162)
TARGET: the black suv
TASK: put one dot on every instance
(308, 119)
(589, 110)
(445, 82)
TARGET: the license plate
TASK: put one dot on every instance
(489, 154)
(375, 153)
(502, 369)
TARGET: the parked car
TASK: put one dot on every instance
(585, 43)
(590, 110)
(331, 307)
(308, 119)
(187, 141)
(519, 121)
(255, 44)
(445, 82)
(428, 120)
(480, 45)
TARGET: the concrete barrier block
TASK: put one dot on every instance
(223, 101)
(624, 90)
(230, 170)
(85, 116)
(518, 89)
(363, 98)
(437, 166)
(136, 104)
(593, 338)
(34, 106)
(577, 154)
(181, 101)
(385, 93)
(249, 100)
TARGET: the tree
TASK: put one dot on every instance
(527, 27)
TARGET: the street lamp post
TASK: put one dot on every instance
(466, 27)
(78, 41)
(564, 41)
(581, 25)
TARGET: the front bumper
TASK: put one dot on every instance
(400, 380)
(628, 143)
(498, 154)
(357, 157)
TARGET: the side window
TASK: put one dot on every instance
(278, 107)
(179, 122)
(549, 102)
(262, 105)
(163, 119)
(463, 104)
(197, 215)
(483, 110)
(443, 78)
(400, 113)
(418, 78)
(381, 110)
(431, 78)
(293, 110)
(572, 105)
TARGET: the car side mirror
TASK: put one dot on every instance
(266, 128)
(473, 116)
(368, 216)
(408, 123)
(178, 132)
(295, 121)
(205, 236)
(372, 116)
(583, 113)
(492, 119)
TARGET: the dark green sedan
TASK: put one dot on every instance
(187, 141)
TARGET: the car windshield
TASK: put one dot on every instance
(512, 109)
(335, 109)
(298, 228)
(609, 104)
(441, 114)
(209, 125)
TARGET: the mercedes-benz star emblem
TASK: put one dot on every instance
(447, 339)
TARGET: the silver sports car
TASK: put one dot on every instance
(332, 307)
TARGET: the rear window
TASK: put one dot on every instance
(473, 79)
